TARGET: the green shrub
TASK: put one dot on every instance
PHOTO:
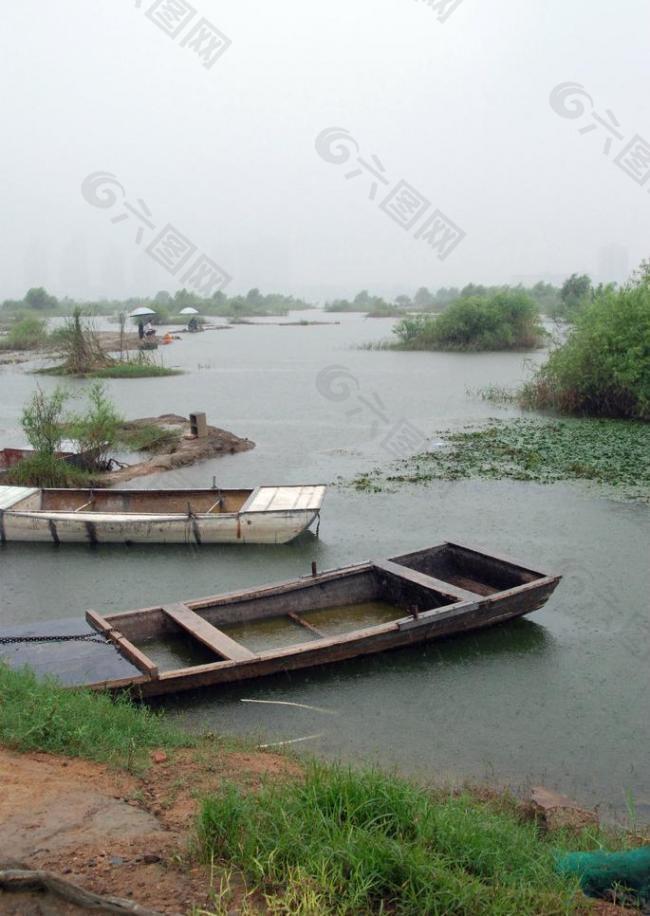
(95, 432)
(42, 420)
(603, 368)
(508, 320)
(44, 470)
(81, 347)
(26, 334)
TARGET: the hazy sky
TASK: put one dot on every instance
(224, 149)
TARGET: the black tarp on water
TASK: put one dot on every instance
(72, 662)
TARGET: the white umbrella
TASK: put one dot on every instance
(143, 310)
(189, 311)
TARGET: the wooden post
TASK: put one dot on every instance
(314, 568)
(198, 425)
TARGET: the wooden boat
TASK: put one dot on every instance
(322, 618)
(265, 515)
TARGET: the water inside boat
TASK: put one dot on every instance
(143, 501)
(335, 621)
(278, 632)
(265, 635)
(178, 650)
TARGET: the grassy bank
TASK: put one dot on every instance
(39, 715)
(350, 842)
(124, 369)
(611, 452)
(327, 840)
(116, 369)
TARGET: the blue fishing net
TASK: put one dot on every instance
(602, 872)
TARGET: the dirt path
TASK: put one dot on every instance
(114, 833)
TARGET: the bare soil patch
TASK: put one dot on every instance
(114, 833)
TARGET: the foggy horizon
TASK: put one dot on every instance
(226, 140)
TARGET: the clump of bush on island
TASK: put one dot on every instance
(508, 320)
(94, 433)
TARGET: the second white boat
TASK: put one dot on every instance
(265, 515)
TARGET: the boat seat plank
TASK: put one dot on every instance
(9, 496)
(210, 636)
(418, 578)
(286, 499)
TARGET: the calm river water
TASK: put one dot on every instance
(560, 698)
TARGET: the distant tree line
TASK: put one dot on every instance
(165, 304)
(564, 302)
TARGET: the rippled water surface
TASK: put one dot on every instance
(559, 698)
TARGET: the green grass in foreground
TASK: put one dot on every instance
(337, 842)
(39, 715)
(611, 452)
(343, 842)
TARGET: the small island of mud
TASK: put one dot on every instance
(178, 448)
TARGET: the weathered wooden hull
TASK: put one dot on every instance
(26, 520)
(365, 643)
(426, 608)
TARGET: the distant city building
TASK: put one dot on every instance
(613, 264)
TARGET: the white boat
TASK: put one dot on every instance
(265, 515)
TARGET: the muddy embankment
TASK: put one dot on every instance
(112, 833)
